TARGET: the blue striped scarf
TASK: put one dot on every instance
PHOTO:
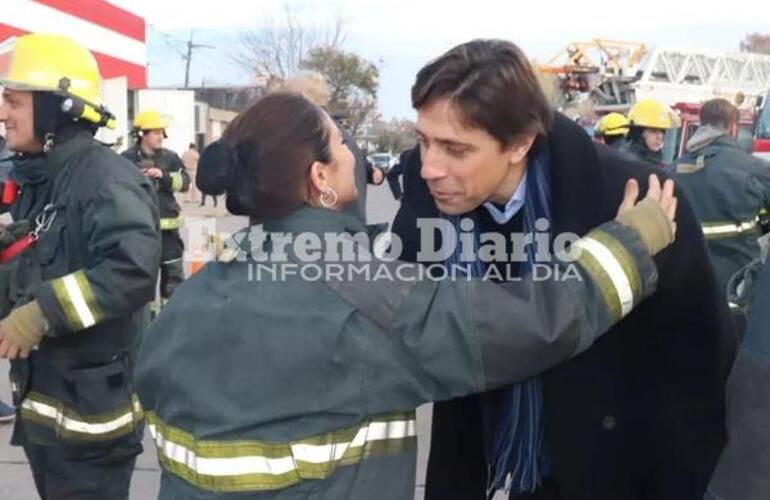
(519, 445)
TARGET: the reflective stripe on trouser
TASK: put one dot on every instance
(170, 223)
(238, 465)
(613, 270)
(176, 181)
(718, 230)
(77, 300)
(70, 424)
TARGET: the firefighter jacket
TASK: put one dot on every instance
(729, 190)
(743, 472)
(310, 384)
(175, 180)
(92, 270)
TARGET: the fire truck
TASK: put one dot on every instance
(612, 75)
(762, 129)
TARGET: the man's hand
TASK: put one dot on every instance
(153, 172)
(9, 350)
(377, 176)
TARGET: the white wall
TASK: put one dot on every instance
(179, 107)
(115, 97)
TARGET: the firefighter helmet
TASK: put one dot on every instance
(650, 113)
(150, 119)
(54, 63)
(613, 124)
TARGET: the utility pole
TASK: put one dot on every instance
(190, 47)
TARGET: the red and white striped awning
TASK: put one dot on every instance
(114, 35)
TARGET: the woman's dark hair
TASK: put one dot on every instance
(493, 87)
(262, 160)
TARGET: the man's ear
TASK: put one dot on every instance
(519, 149)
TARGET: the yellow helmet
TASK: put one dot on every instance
(612, 124)
(54, 63)
(650, 113)
(150, 120)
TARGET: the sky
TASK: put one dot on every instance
(402, 35)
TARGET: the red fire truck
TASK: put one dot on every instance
(762, 130)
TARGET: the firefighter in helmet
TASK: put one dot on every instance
(79, 280)
(649, 120)
(612, 130)
(169, 176)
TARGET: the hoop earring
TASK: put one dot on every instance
(325, 202)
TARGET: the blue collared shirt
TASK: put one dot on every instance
(513, 205)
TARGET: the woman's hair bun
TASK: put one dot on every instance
(216, 168)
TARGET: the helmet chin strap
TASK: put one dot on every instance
(47, 117)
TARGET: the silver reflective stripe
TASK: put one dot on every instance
(78, 301)
(257, 464)
(375, 431)
(231, 466)
(728, 229)
(74, 425)
(614, 270)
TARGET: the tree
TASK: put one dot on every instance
(278, 47)
(393, 136)
(756, 42)
(353, 82)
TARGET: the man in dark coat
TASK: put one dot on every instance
(640, 415)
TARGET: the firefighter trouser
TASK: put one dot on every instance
(97, 472)
(171, 274)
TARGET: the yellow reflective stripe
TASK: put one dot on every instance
(717, 230)
(68, 423)
(177, 182)
(77, 300)
(613, 270)
(603, 282)
(625, 259)
(231, 466)
(170, 223)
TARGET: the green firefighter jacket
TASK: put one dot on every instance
(728, 189)
(264, 378)
(175, 180)
(93, 270)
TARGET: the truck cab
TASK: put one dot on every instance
(762, 130)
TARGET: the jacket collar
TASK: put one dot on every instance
(577, 178)
(29, 170)
(315, 220)
(68, 143)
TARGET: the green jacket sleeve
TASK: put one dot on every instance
(122, 243)
(440, 340)
(175, 178)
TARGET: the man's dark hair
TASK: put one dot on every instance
(493, 87)
(719, 113)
